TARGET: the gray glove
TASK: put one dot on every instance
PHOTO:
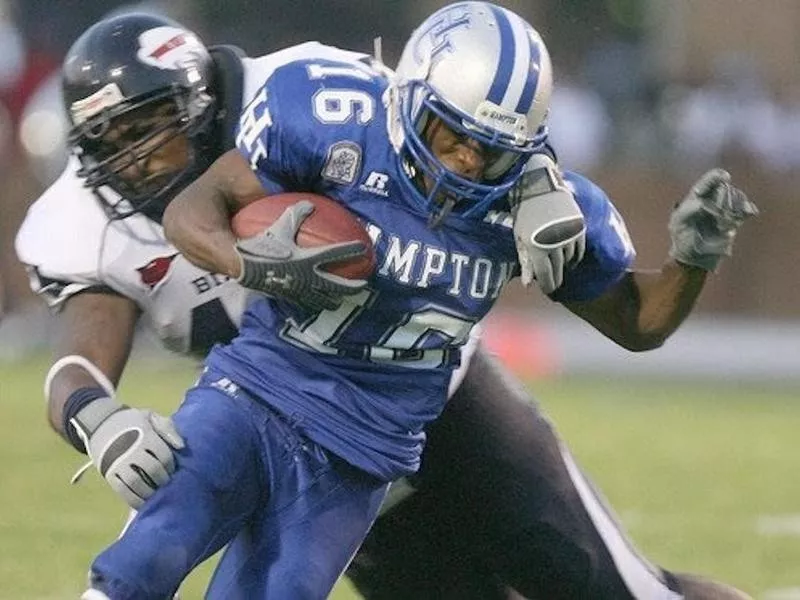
(549, 229)
(132, 448)
(273, 263)
(703, 225)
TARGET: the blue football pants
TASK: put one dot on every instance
(293, 513)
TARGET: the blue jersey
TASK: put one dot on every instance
(364, 379)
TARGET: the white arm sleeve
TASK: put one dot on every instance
(60, 239)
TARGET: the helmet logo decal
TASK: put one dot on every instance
(438, 33)
(496, 117)
(169, 48)
(106, 97)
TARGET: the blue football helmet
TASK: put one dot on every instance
(486, 73)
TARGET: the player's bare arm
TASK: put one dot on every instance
(94, 339)
(198, 220)
(645, 307)
(99, 328)
(198, 223)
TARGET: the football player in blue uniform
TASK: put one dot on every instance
(404, 265)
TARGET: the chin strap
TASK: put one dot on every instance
(436, 218)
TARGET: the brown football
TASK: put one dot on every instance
(330, 223)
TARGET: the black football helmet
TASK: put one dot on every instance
(123, 64)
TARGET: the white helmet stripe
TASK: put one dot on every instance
(522, 77)
(517, 76)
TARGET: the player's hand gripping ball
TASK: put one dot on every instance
(303, 247)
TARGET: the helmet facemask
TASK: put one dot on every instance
(122, 165)
(505, 154)
(116, 77)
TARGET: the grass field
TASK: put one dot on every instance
(705, 478)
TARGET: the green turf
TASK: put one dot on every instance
(689, 469)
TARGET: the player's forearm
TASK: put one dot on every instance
(198, 224)
(197, 221)
(65, 382)
(646, 307)
(92, 345)
(665, 299)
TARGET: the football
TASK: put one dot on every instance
(330, 223)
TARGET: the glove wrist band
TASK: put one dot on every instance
(76, 402)
(250, 274)
(707, 262)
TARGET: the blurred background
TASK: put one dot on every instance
(649, 94)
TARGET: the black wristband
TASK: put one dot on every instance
(76, 401)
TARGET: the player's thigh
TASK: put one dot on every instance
(214, 490)
(497, 487)
(297, 546)
(411, 553)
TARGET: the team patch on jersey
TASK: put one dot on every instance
(343, 163)
(169, 48)
(156, 270)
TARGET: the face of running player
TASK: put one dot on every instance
(158, 151)
(458, 152)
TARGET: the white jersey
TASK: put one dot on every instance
(70, 246)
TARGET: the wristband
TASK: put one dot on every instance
(76, 401)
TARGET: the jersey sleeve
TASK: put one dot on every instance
(59, 241)
(609, 249)
(304, 112)
(55, 290)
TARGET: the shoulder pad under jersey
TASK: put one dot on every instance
(66, 238)
(258, 70)
(60, 238)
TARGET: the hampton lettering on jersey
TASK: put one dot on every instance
(424, 265)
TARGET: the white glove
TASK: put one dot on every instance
(132, 448)
(703, 225)
(549, 229)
